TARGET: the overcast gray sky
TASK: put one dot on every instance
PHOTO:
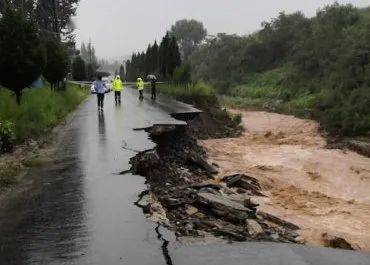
(119, 27)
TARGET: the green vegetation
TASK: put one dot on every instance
(189, 34)
(57, 63)
(41, 109)
(198, 94)
(313, 67)
(31, 45)
(22, 56)
(78, 69)
(161, 60)
(214, 122)
(90, 60)
(7, 136)
(8, 174)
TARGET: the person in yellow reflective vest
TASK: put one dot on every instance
(140, 87)
(117, 86)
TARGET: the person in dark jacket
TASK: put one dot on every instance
(153, 83)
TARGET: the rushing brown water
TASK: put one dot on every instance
(321, 190)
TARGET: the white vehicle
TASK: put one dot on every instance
(92, 88)
(108, 80)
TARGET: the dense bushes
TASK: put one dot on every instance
(7, 136)
(315, 67)
(199, 94)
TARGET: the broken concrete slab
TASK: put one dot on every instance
(224, 206)
(231, 231)
(276, 220)
(248, 183)
(206, 184)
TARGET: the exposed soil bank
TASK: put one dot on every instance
(323, 191)
(187, 198)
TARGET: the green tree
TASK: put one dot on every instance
(22, 57)
(174, 57)
(122, 71)
(55, 16)
(148, 60)
(79, 69)
(181, 74)
(163, 55)
(57, 64)
(154, 60)
(50, 16)
(189, 34)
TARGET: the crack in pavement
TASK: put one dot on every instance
(165, 251)
(160, 237)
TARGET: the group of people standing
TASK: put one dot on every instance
(100, 88)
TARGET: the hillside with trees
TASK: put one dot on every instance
(314, 67)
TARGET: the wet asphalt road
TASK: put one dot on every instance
(83, 212)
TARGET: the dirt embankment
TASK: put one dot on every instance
(185, 196)
(324, 192)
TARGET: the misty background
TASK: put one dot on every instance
(119, 27)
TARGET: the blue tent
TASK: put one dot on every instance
(38, 83)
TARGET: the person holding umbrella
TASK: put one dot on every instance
(153, 83)
(100, 88)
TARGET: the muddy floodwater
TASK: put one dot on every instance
(320, 190)
(80, 210)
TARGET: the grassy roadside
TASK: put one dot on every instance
(199, 94)
(40, 111)
(214, 122)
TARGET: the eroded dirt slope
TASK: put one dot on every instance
(322, 191)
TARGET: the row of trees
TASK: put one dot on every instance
(85, 65)
(35, 40)
(161, 60)
(326, 58)
(49, 16)
(165, 60)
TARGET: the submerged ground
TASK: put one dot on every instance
(325, 192)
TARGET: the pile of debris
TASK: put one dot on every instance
(181, 181)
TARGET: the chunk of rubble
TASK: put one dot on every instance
(223, 206)
(191, 210)
(206, 184)
(276, 220)
(225, 229)
(248, 183)
(231, 231)
(198, 160)
(254, 228)
(336, 242)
